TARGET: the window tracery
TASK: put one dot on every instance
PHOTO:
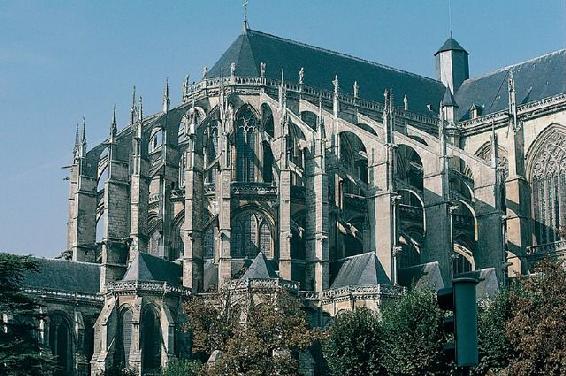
(246, 146)
(548, 186)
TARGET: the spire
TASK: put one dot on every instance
(494, 147)
(113, 127)
(77, 141)
(406, 103)
(166, 100)
(133, 108)
(320, 132)
(140, 120)
(388, 115)
(448, 99)
(82, 146)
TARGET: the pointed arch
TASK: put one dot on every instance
(546, 167)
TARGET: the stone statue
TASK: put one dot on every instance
(262, 70)
(232, 69)
(335, 83)
(356, 89)
(204, 71)
(301, 76)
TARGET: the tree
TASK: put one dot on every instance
(537, 329)
(260, 334)
(353, 344)
(412, 335)
(182, 367)
(21, 353)
(493, 345)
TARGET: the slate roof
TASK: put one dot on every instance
(425, 275)
(450, 44)
(358, 270)
(539, 78)
(145, 267)
(65, 276)
(260, 268)
(321, 66)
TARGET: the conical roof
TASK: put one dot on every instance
(448, 99)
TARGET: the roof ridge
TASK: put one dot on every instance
(348, 56)
(63, 260)
(508, 67)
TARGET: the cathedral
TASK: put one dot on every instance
(295, 167)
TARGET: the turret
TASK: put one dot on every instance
(452, 64)
(449, 106)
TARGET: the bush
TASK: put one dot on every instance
(412, 335)
(353, 345)
(182, 367)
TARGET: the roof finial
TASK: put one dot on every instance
(77, 139)
(113, 126)
(140, 112)
(186, 86)
(245, 6)
(133, 109)
(166, 96)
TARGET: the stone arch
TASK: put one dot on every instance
(267, 121)
(151, 338)
(484, 152)
(409, 167)
(156, 139)
(546, 171)
(463, 259)
(124, 328)
(309, 118)
(461, 179)
(61, 340)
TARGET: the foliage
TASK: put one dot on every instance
(20, 351)
(537, 329)
(258, 335)
(182, 367)
(493, 346)
(353, 344)
(412, 335)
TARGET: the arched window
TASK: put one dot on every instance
(267, 171)
(60, 342)
(251, 233)
(208, 243)
(265, 239)
(246, 146)
(151, 340)
(177, 244)
(154, 246)
(156, 140)
(211, 148)
(124, 339)
(548, 186)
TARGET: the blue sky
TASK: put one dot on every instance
(60, 60)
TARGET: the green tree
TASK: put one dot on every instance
(412, 335)
(353, 344)
(266, 332)
(537, 328)
(20, 351)
(493, 345)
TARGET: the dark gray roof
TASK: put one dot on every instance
(422, 276)
(535, 79)
(66, 276)
(359, 270)
(451, 44)
(145, 267)
(260, 268)
(448, 99)
(321, 66)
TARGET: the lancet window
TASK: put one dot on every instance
(246, 134)
(251, 234)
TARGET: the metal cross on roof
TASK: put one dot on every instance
(245, 5)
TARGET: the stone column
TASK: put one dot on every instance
(193, 272)
(81, 225)
(438, 239)
(317, 257)
(116, 220)
(139, 197)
